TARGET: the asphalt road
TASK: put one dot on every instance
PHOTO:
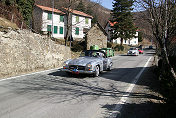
(53, 94)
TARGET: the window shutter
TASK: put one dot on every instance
(49, 28)
(87, 21)
(49, 16)
(77, 19)
(61, 18)
(55, 29)
(61, 30)
(77, 31)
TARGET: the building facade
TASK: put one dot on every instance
(42, 15)
(108, 29)
(43, 21)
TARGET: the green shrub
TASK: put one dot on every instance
(119, 48)
(109, 44)
(168, 83)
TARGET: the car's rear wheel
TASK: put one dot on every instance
(97, 71)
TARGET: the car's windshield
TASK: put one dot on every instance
(132, 49)
(92, 54)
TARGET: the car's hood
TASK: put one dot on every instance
(82, 61)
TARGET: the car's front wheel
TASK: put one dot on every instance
(110, 67)
(69, 73)
(97, 71)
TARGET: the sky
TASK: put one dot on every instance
(107, 3)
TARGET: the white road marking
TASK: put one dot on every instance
(28, 74)
(118, 107)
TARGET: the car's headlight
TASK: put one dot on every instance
(89, 65)
(64, 64)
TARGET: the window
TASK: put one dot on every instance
(77, 19)
(61, 30)
(87, 21)
(61, 18)
(49, 28)
(77, 31)
(49, 16)
(55, 29)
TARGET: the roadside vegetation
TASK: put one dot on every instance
(161, 15)
(4, 23)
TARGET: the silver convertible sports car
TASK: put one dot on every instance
(90, 62)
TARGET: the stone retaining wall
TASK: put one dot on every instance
(22, 51)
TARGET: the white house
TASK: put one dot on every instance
(81, 23)
(108, 29)
(43, 21)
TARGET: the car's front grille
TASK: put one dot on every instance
(77, 67)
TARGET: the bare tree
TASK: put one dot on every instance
(162, 19)
(68, 7)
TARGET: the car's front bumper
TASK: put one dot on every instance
(132, 54)
(78, 71)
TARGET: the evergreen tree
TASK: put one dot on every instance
(124, 28)
(95, 19)
(26, 8)
(8, 2)
(89, 10)
(140, 36)
(81, 7)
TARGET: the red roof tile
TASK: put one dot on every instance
(79, 13)
(50, 9)
(112, 23)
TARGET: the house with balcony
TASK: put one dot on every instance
(109, 31)
(42, 17)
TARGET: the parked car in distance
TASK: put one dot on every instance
(133, 51)
(150, 47)
(90, 62)
(140, 51)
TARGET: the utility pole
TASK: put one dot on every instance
(52, 27)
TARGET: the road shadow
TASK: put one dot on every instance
(62, 88)
(125, 75)
(58, 87)
(64, 74)
(142, 110)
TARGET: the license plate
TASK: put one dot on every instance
(75, 71)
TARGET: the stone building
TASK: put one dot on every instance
(96, 36)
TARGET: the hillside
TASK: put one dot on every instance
(6, 23)
(9, 12)
(141, 21)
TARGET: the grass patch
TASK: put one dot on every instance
(6, 23)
